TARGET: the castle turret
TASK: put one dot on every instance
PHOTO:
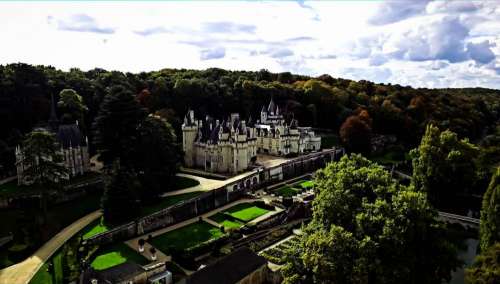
(189, 132)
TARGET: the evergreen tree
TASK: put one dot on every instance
(42, 163)
(157, 156)
(490, 213)
(367, 228)
(116, 126)
(119, 201)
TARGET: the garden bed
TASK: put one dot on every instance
(186, 237)
(226, 221)
(116, 254)
(246, 212)
(287, 191)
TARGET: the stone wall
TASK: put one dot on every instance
(216, 198)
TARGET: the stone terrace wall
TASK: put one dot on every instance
(218, 197)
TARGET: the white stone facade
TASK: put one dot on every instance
(226, 147)
(232, 146)
(75, 158)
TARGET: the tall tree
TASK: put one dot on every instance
(43, 163)
(157, 155)
(443, 166)
(486, 267)
(367, 228)
(490, 213)
(116, 126)
(71, 105)
(119, 201)
(355, 133)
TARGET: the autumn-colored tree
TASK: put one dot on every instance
(356, 133)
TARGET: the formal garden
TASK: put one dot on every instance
(290, 190)
(186, 237)
(238, 215)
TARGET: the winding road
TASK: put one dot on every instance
(21, 273)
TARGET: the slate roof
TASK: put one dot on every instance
(229, 269)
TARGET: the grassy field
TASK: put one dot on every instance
(287, 191)
(306, 184)
(94, 228)
(246, 211)
(186, 237)
(115, 255)
(44, 277)
(224, 221)
(168, 201)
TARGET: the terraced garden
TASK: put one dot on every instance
(277, 253)
(186, 237)
(226, 221)
(295, 188)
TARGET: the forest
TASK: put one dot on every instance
(323, 102)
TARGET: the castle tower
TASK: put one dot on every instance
(263, 115)
(189, 131)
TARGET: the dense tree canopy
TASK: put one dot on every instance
(490, 213)
(486, 267)
(367, 228)
(444, 166)
(71, 106)
(42, 162)
(323, 102)
(116, 126)
(157, 155)
(120, 202)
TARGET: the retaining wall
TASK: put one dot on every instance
(216, 198)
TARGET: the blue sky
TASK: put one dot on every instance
(419, 43)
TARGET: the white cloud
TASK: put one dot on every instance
(435, 44)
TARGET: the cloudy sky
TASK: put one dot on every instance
(419, 43)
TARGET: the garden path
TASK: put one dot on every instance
(206, 184)
(21, 273)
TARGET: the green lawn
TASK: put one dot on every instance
(168, 201)
(224, 221)
(186, 237)
(44, 277)
(94, 228)
(287, 191)
(306, 184)
(115, 255)
(246, 211)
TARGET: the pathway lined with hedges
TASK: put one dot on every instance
(21, 273)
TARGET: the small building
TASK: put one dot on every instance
(74, 147)
(242, 266)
